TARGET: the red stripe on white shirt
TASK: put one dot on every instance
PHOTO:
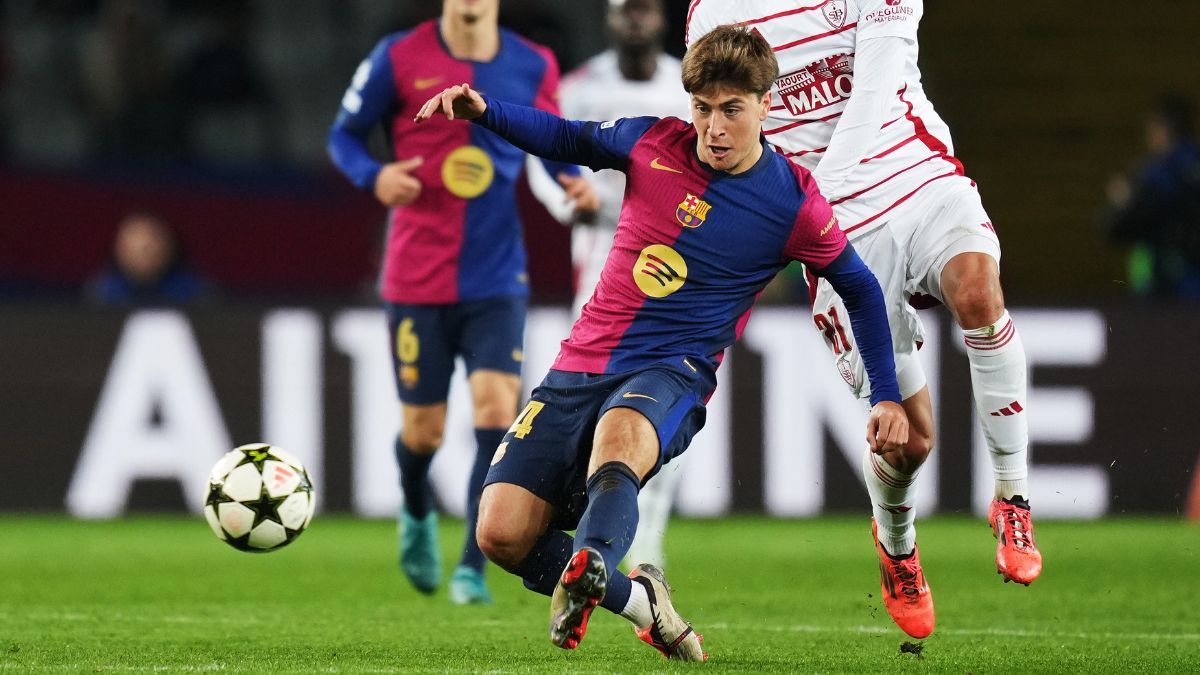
(804, 152)
(800, 123)
(892, 149)
(868, 189)
(898, 202)
(687, 26)
(814, 38)
(932, 142)
(798, 10)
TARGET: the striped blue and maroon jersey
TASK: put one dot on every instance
(695, 246)
(461, 239)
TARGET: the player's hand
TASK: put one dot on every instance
(395, 185)
(457, 102)
(887, 427)
(579, 191)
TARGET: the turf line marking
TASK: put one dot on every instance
(999, 632)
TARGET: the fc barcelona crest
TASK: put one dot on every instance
(692, 211)
(835, 12)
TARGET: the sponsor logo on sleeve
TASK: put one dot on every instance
(896, 10)
(828, 226)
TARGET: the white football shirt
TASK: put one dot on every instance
(871, 157)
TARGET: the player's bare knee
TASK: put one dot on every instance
(918, 448)
(977, 303)
(422, 439)
(502, 545)
(495, 414)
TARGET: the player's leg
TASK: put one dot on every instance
(955, 257)
(423, 365)
(971, 288)
(890, 479)
(513, 531)
(654, 508)
(649, 419)
(490, 337)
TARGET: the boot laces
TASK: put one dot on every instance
(1018, 527)
(908, 575)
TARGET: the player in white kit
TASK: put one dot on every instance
(633, 78)
(850, 107)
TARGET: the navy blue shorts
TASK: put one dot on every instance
(546, 451)
(426, 339)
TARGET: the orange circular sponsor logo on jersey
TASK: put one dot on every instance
(467, 172)
(659, 271)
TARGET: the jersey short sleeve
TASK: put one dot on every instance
(889, 18)
(816, 239)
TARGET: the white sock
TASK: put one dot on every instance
(892, 495)
(637, 609)
(999, 381)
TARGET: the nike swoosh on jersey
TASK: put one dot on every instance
(630, 394)
(655, 165)
(427, 82)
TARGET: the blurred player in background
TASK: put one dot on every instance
(710, 216)
(454, 275)
(634, 77)
(850, 107)
(1157, 208)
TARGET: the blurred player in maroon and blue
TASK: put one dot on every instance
(454, 273)
(710, 215)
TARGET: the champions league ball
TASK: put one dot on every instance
(260, 498)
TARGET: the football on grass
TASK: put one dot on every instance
(260, 498)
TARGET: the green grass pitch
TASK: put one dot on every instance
(157, 594)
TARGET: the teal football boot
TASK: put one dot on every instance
(419, 555)
(467, 587)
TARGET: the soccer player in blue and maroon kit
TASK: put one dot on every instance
(710, 216)
(454, 274)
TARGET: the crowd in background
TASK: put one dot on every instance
(158, 84)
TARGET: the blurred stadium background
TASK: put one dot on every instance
(213, 115)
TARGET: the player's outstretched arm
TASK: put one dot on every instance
(457, 102)
(539, 132)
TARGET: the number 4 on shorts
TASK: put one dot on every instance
(524, 423)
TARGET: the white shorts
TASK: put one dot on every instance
(907, 255)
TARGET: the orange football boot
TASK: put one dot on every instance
(1017, 556)
(905, 592)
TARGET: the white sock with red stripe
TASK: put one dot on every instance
(1000, 384)
(892, 495)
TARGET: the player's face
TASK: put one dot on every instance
(728, 125)
(637, 23)
(471, 11)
